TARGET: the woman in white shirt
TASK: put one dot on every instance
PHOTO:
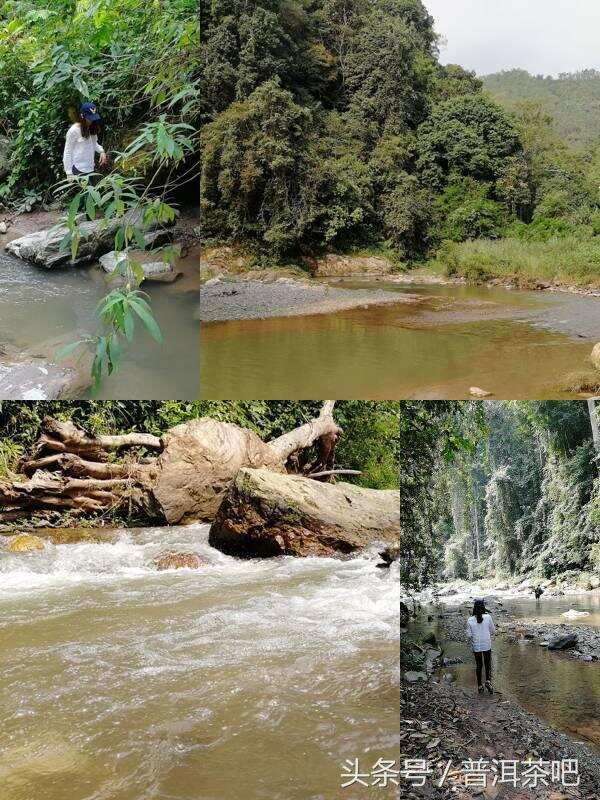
(81, 143)
(480, 628)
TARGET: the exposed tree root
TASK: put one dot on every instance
(75, 471)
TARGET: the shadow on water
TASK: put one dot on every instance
(515, 344)
(562, 691)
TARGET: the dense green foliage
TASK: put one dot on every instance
(429, 436)
(370, 442)
(571, 99)
(332, 124)
(523, 498)
(555, 237)
(138, 61)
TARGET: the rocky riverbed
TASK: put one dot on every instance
(222, 300)
(443, 723)
(574, 641)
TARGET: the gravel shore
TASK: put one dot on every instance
(285, 297)
(442, 723)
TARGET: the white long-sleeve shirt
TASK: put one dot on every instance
(480, 633)
(79, 151)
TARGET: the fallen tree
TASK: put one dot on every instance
(179, 477)
(268, 514)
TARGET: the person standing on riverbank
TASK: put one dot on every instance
(480, 629)
(81, 143)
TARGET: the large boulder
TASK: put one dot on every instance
(97, 237)
(270, 514)
(563, 641)
(37, 379)
(198, 463)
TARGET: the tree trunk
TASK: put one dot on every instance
(187, 478)
(323, 427)
(594, 422)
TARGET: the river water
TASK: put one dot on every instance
(243, 679)
(565, 692)
(516, 344)
(41, 310)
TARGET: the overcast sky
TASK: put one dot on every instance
(541, 36)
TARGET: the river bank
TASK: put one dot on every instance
(442, 722)
(433, 276)
(221, 301)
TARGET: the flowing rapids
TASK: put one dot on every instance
(253, 679)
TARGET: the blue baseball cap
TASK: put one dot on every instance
(89, 112)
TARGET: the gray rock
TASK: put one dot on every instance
(412, 676)
(562, 641)
(3, 228)
(40, 380)
(449, 662)
(153, 270)
(43, 247)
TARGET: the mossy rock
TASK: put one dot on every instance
(177, 561)
(24, 543)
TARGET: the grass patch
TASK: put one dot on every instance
(570, 261)
(584, 382)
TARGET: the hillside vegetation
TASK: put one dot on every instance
(332, 125)
(571, 99)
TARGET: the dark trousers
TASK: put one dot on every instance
(92, 177)
(480, 660)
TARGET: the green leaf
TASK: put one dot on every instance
(67, 349)
(90, 207)
(74, 245)
(128, 324)
(73, 209)
(139, 238)
(119, 239)
(148, 320)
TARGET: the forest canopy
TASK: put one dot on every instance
(506, 489)
(332, 124)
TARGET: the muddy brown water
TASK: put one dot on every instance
(562, 691)
(516, 344)
(41, 310)
(243, 679)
